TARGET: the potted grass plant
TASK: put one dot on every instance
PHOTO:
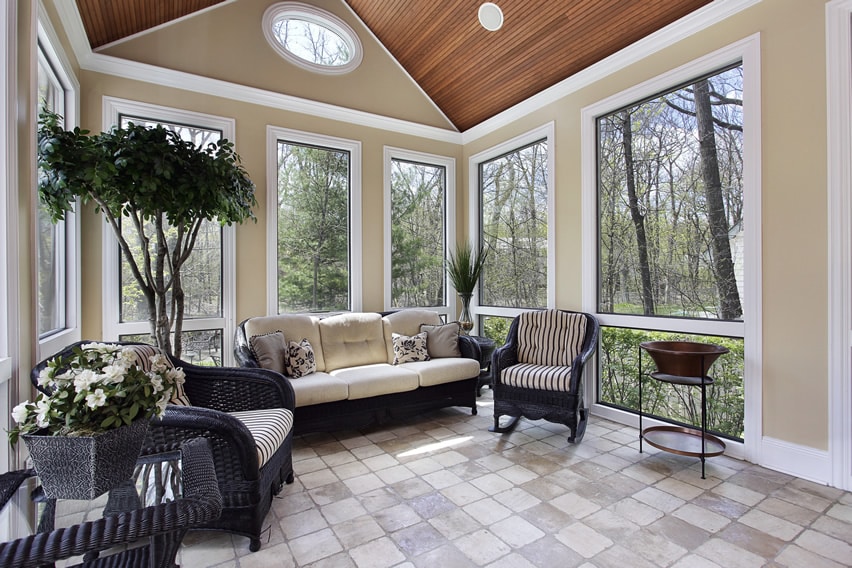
(464, 268)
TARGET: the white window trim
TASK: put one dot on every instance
(273, 135)
(747, 50)
(320, 17)
(112, 325)
(449, 165)
(548, 133)
(838, 21)
(50, 46)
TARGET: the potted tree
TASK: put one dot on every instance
(464, 268)
(160, 185)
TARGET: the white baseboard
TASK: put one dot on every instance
(793, 459)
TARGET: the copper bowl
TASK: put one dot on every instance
(683, 358)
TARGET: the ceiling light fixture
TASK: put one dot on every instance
(491, 16)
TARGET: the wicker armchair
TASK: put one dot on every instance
(538, 372)
(244, 414)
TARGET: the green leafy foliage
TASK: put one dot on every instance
(464, 267)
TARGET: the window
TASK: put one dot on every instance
(674, 252)
(316, 224)
(57, 286)
(311, 38)
(514, 216)
(207, 277)
(417, 190)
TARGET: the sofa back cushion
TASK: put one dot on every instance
(350, 340)
(550, 337)
(295, 327)
(406, 322)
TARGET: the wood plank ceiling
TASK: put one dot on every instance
(471, 74)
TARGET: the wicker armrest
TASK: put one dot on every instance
(232, 389)
(469, 348)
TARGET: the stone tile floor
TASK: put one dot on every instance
(443, 491)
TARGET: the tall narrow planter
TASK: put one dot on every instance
(86, 467)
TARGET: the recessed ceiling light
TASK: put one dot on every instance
(491, 16)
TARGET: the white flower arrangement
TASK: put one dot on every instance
(98, 387)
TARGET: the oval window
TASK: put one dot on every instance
(311, 38)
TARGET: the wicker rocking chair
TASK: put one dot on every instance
(538, 372)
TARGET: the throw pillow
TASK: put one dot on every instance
(300, 359)
(442, 340)
(144, 359)
(269, 350)
(409, 349)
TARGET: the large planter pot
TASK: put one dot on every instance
(85, 467)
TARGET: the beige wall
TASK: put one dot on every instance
(794, 261)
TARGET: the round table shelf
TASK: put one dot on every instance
(683, 441)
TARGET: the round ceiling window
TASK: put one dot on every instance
(311, 38)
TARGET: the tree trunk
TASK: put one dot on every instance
(723, 265)
(636, 215)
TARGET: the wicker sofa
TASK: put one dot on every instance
(356, 382)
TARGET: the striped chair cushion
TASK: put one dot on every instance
(269, 428)
(539, 377)
(143, 360)
(550, 337)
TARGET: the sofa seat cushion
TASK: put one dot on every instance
(352, 340)
(317, 388)
(444, 370)
(268, 427)
(295, 327)
(366, 381)
(538, 377)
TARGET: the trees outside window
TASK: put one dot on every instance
(671, 237)
(313, 228)
(418, 198)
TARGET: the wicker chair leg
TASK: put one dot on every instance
(578, 430)
(508, 427)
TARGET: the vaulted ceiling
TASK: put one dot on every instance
(471, 74)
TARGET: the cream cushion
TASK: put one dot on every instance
(351, 340)
(374, 380)
(317, 388)
(406, 322)
(269, 350)
(443, 370)
(294, 326)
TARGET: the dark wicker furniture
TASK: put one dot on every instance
(164, 524)
(247, 490)
(360, 413)
(564, 407)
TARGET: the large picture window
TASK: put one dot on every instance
(313, 224)
(671, 242)
(418, 190)
(514, 217)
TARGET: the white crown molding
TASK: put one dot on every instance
(686, 26)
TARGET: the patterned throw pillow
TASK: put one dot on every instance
(269, 350)
(300, 359)
(143, 360)
(409, 349)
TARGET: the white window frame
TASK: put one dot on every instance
(838, 22)
(449, 165)
(274, 134)
(545, 132)
(49, 48)
(747, 51)
(113, 327)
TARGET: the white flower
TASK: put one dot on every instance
(42, 409)
(85, 379)
(159, 363)
(96, 399)
(113, 374)
(21, 412)
(161, 406)
(128, 357)
(156, 382)
(44, 378)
